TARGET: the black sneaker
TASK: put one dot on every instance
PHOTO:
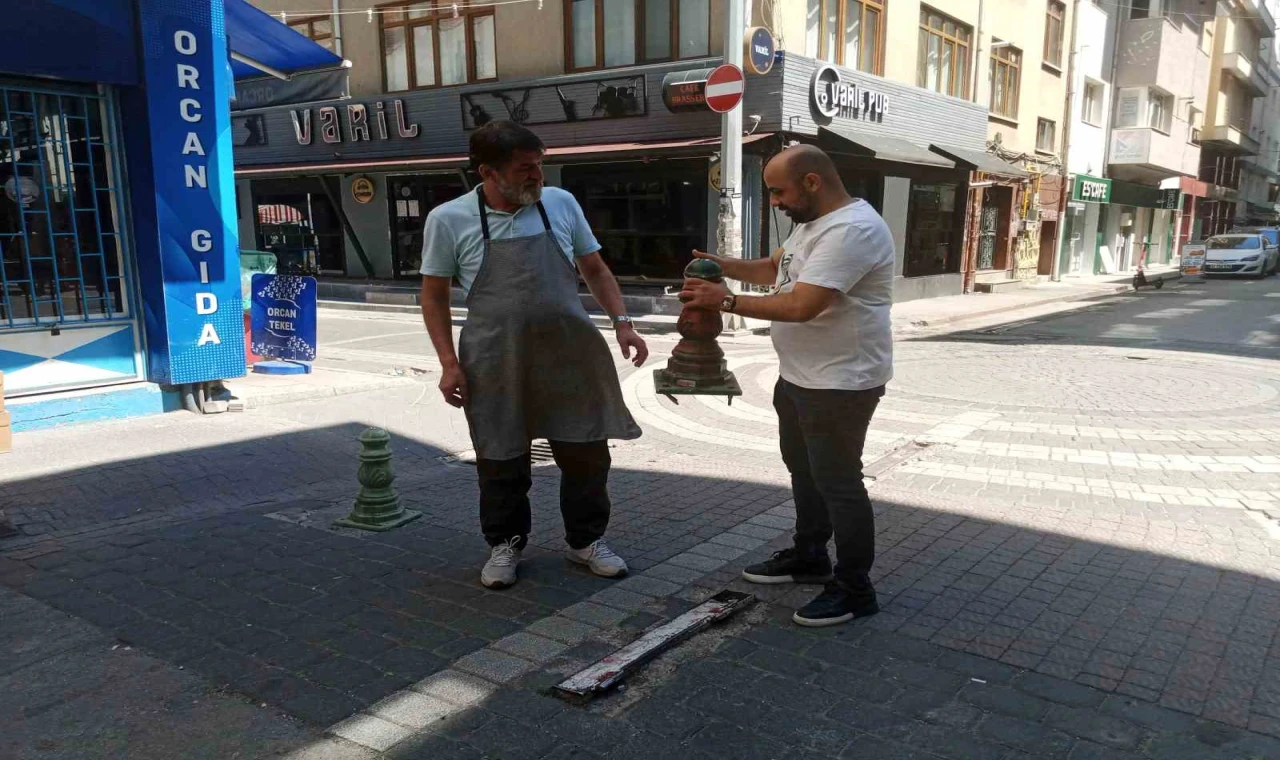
(788, 566)
(835, 605)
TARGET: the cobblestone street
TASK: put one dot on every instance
(1078, 528)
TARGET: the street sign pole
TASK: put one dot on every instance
(729, 227)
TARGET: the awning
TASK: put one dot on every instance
(313, 86)
(261, 45)
(883, 148)
(979, 160)
(699, 146)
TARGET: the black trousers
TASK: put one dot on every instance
(584, 494)
(822, 434)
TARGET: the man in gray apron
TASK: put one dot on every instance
(530, 363)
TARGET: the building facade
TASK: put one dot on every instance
(1237, 37)
(587, 76)
(118, 245)
(1261, 173)
(1173, 114)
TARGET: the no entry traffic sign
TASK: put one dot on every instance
(724, 88)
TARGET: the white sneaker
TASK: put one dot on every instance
(600, 558)
(500, 570)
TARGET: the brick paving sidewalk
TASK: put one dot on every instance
(1107, 609)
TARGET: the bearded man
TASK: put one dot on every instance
(529, 363)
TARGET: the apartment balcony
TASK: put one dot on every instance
(1229, 138)
(1259, 15)
(1144, 154)
(1241, 67)
(1161, 52)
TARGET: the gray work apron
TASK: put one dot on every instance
(536, 366)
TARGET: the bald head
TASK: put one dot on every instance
(799, 161)
(804, 183)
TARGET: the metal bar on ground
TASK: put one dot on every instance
(613, 669)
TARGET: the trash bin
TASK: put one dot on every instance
(251, 263)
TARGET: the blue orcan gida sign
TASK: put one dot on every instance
(283, 317)
(183, 187)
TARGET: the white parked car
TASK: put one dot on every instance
(1248, 254)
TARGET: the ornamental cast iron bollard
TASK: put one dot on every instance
(697, 366)
(377, 505)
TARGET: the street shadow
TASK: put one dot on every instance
(325, 624)
(223, 560)
(1186, 317)
(996, 639)
(187, 482)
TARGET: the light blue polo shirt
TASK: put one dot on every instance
(453, 243)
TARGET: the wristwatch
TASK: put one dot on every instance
(728, 303)
(622, 320)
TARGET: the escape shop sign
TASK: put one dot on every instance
(283, 317)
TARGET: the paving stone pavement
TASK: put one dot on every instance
(1068, 568)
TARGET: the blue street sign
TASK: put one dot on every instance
(760, 50)
(283, 318)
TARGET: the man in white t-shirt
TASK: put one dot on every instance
(833, 289)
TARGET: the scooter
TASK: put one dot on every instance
(1140, 278)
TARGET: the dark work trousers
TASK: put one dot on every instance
(584, 495)
(822, 433)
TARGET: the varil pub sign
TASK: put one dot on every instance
(358, 127)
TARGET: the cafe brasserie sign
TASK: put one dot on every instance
(832, 96)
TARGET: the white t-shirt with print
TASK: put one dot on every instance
(849, 346)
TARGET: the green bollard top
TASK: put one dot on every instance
(704, 269)
(374, 435)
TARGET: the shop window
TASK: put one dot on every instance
(1006, 77)
(932, 242)
(296, 221)
(608, 33)
(943, 64)
(318, 29)
(647, 218)
(1092, 111)
(847, 33)
(1046, 133)
(437, 44)
(61, 243)
(1054, 14)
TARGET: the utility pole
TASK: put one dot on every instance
(1068, 116)
(729, 225)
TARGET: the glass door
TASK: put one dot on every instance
(411, 198)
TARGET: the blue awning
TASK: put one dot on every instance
(255, 36)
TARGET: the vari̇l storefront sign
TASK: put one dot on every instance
(830, 97)
(1091, 189)
(358, 125)
(194, 316)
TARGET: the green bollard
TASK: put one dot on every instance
(377, 505)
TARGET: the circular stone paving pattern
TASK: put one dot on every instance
(1086, 380)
